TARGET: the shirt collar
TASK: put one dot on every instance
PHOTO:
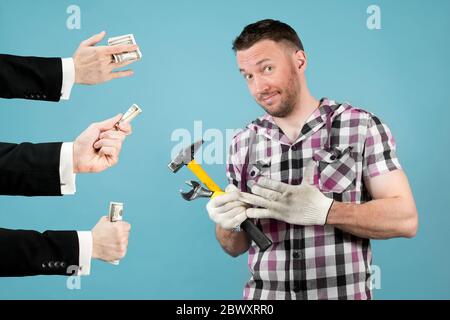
(266, 125)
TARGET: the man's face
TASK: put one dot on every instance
(271, 74)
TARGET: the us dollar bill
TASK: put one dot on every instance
(115, 214)
(115, 211)
(125, 56)
(130, 114)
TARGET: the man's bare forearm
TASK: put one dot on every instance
(234, 243)
(376, 219)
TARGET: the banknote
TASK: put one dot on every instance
(115, 211)
(125, 56)
(131, 113)
(115, 214)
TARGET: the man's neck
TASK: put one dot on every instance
(293, 124)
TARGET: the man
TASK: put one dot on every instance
(49, 169)
(53, 78)
(323, 179)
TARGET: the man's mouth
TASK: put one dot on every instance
(269, 98)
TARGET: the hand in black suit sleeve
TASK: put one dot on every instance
(30, 169)
(30, 77)
(28, 253)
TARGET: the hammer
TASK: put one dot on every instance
(186, 157)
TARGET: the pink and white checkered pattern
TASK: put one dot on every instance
(313, 262)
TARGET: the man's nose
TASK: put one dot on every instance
(261, 86)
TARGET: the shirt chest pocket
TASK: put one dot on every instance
(337, 169)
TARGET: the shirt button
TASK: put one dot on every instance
(57, 264)
(44, 96)
(63, 264)
(293, 148)
(50, 264)
(43, 266)
(296, 254)
(333, 157)
(32, 96)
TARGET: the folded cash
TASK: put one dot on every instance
(131, 113)
(125, 56)
(115, 211)
(115, 214)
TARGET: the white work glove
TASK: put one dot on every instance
(226, 210)
(301, 204)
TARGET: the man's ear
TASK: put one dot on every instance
(300, 60)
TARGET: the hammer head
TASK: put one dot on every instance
(184, 156)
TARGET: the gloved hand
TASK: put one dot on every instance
(227, 210)
(301, 204)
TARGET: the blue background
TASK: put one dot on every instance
(188, 72)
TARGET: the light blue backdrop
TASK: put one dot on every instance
(188, 73)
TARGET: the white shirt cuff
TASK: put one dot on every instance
(68, 77)
(67, 177)
(85, 247)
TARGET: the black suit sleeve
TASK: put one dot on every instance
(30, 77)
(29, 253)
(30, 169)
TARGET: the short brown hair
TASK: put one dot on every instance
(267, 29)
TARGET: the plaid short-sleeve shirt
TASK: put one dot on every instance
(313, 262)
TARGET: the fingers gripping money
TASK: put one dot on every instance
(126, 40)
(95, 150)
(50, 169)
(110, 235)
(100, 145)
(96, 64)
(118, 246)
(131, 113)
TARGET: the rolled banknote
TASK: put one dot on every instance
(125, 56)
(131, 113)
(115, 214)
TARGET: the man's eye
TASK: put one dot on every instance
(248, 76)
(268, 69)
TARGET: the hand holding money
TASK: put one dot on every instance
(110, 240)
(98, 147)
(127, 39)
(95, 64)
(131, 113)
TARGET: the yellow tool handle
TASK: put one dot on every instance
(216, 193)
(261, 240)
(204, 177)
